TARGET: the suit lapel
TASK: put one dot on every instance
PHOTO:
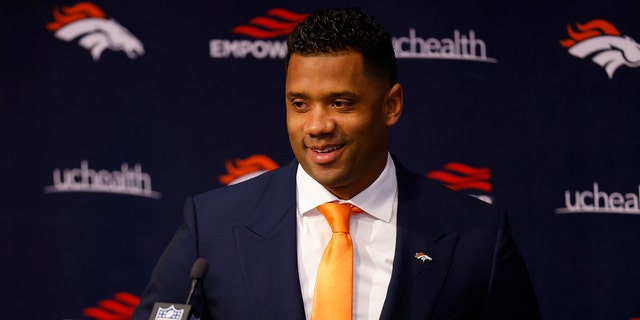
(415, 284)
(268, 253)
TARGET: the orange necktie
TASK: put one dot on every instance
(333, 295)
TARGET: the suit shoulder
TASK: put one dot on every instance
(456, 205)
(436, 189)
(251, 190)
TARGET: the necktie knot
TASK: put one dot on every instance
(338, 215)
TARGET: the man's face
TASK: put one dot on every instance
(338, 120)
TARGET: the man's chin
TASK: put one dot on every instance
(325, 175)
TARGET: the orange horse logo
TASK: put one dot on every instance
(600, 40)
(245, 169)
(86, 21)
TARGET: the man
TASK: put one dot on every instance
(420, 250)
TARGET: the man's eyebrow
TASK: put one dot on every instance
(294, 95)
(343, 94)
(331, 95)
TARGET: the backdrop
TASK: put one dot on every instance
(113, 112)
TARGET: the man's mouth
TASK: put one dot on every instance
(328, 149)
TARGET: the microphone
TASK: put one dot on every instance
(198, 271)
(173, 311)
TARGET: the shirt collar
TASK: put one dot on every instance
(376, 200)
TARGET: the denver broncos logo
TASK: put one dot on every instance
(601, 40)
(245, 169)
(87, 22)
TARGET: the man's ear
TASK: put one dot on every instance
(393, 105)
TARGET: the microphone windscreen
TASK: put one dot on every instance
(199, 269)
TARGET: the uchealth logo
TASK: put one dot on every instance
(276, 23)
(120, 306)
(128, 181)
(461, 46)
(462, 177)
(245, 169)
(280, 22)
(603, 43)
(597, 200)
(86, 22)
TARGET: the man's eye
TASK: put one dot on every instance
(298, 104)
(340, 104)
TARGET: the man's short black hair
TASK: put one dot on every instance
(339, 31)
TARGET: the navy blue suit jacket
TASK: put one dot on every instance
(247, 232)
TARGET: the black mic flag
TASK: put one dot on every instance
(174, 311)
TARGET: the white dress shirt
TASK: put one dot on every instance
(373, 234)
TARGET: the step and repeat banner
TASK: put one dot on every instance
(113, 112)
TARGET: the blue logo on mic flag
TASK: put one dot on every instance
(170, 313)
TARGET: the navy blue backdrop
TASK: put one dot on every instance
(112, 112)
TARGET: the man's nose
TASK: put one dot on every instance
(319, 121)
